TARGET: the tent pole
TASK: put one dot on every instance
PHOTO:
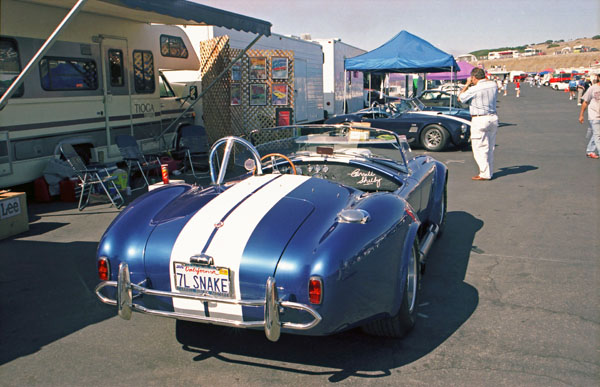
(344, 106)
(451, 73)
(369, 93)
(406, 86)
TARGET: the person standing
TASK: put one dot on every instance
(572, 88)
(591, 101)
(518, 87)
(481, 93)
(580, 90)
(505, 85)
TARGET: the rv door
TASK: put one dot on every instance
(117, 90)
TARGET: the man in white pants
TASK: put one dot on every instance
(481, 93)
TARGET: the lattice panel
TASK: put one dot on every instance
(220, 117)
(246, 118)
(214, 58)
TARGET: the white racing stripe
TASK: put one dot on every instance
(230, 240)
(437, 113)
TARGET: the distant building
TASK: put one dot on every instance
(531, 52)
(566, 50)
(466, 58)
(503, 54)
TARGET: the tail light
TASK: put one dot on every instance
(103, 269)
(315, 290)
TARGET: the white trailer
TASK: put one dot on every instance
(308, 65)
(97, 75)
(335, 51)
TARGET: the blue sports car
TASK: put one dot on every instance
(430, 129)
(322, 228)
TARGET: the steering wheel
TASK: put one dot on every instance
(273, 155)
(229, 142)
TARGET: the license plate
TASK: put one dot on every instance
(207, 280)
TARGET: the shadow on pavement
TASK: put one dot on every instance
(514, 170)
(446, 302)
(47, 293)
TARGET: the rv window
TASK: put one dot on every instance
(68, 74)
(164, 87)
(173, 46)
(10, 65)
(143, 72)
(115, 63)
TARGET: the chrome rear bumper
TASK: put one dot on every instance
(270, 303)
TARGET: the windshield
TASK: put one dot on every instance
(404, 105)
(359, 143)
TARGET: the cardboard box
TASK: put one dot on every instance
(13, 214)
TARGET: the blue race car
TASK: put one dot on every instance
(322, 229)
(430, 129)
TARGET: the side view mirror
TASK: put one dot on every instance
(193, 94)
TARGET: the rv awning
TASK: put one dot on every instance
(180, 12)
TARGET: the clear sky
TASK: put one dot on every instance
(455, 26)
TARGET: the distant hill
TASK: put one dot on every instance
(550, 59)
(549, 47)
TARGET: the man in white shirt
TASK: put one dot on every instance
(591, 101)
(481, 93)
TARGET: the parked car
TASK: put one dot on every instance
(452, 88)
(441, 99)
(560, 85)
(416, 105)
(432, 130)
(326, 229)
(558, 78)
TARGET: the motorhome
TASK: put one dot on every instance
(101, 77)
(531, 52)
(336, 89)
(307, 68)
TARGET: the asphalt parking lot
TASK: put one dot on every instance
(511, 294)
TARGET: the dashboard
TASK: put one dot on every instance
(356, 176)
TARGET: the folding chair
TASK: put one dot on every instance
(194, 142)
(90, 176)
(133, 156)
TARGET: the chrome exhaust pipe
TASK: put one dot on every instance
(427, 242)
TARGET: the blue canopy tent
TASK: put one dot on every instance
(404, 53)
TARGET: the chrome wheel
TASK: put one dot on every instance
(434, 138)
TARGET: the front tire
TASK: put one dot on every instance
(434, 138)
(399, 325)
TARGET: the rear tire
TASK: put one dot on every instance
(434, 138)
(399, 325)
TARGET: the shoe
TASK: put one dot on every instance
(479, 178)
(593, 156)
